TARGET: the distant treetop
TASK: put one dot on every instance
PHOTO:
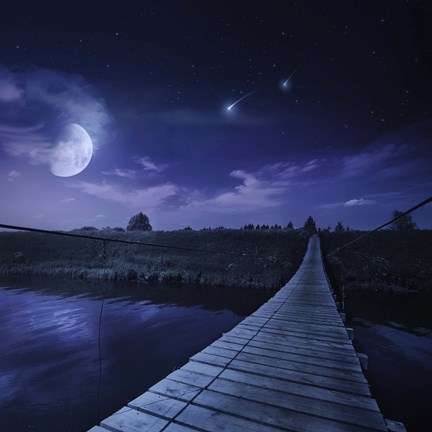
(403, 223)
(139, 222)
(310, 225)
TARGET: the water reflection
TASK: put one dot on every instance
(396, 333)
(49, 356)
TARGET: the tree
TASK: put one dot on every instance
(339, 227)
(290, 225)
(310, 225)
(405, 222)
(139, 222)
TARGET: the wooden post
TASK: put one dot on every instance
(363, 360)
(394, 426)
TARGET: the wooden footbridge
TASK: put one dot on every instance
(289, 366)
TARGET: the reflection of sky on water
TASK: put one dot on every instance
(400, 368)
(49, 355)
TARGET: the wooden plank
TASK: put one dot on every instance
(271, 416)
(131, 420)
(302, 340)
(301, 377)
(303, 357)
(300, 389)
(320, 408)
(161, 406)
(299, 366)
(176, 389)
(175, 427)
(215, 421)
(321, 370)
(193, 378)
(275, 349)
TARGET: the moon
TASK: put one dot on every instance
(73, 151)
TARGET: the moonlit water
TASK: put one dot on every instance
(49, 356)
(396, 333)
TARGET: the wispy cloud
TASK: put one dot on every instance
(148, 165)
(28, 142)
(374, 159)
(67, 200)
(266, 188)
(13, 175)
(119, 172)
(358, 202)
(188, 117)
(355, 202)
(143, 198)
(58, 99)
(9, 89)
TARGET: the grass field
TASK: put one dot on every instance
(386, 261)
(271, 256)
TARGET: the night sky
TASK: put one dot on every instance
(348, 138)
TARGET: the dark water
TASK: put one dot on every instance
(49, 351)
(396, 333)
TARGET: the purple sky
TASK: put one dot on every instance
(349, 140)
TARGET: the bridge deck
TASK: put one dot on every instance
(288, 366)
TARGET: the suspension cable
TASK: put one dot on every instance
(417, 206)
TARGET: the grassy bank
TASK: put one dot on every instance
(272, 257)
(385, 261)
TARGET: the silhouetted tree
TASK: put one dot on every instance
(404, 222)
(309, 225)
(290, 225)
(139, 222)
(339, 227)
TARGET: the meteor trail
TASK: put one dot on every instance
(236, 102)
(285, 83)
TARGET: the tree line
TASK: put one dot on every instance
(141, 222)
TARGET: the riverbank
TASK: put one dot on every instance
(251, 259)
(386, 261)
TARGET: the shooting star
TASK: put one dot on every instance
(286, 83)
(244, 97)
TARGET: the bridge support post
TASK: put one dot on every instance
(364, 359)
(394, 426)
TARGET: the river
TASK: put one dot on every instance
(395, 331)
(49, 362)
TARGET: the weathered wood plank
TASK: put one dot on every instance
(176, 389)
(300, 389)
(216, 420)
(301, 377)
(131, 420)
(320, 408)
(158, 405)
(272, 416)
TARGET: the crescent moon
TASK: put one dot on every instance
(73, 151)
